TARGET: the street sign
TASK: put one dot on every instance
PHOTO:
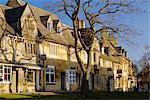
(43, 57)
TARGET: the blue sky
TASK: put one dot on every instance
(140, 21)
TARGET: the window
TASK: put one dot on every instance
(94, 55)
(53, 49)
(102, 50)
(49, 26)
(1, 73)
(71, 76)
(30, 76)
(5, 73)
(59, 29)
(50, 75)
(97, 80)
(30, 48)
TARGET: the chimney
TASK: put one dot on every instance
(104, 32)
(112, 38)
(116, 42)
(15, 3)
(81, 24)
(125, 53)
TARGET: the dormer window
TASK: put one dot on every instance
(59, 29)
(49, 26)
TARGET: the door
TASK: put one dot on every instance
(91, 81)
(16, 80)
(78, 80)
(63, 80)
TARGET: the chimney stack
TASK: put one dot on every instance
(104, 32)
(81, 24)
(112, 38)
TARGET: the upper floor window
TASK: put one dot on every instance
(53, 49)
(30, 48)
(107, 51)
(49, 26)
(59, 29)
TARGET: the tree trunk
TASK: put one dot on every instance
(85, 85)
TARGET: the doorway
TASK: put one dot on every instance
(16, 80)
(62, 80)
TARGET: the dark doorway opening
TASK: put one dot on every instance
(63, 80)
(16, 80)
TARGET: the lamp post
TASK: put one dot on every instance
(43, 58)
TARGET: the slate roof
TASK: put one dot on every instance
(14, 15)
(62, 38)
(8, 29)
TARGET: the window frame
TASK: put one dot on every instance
(8, 73)
(71, 76)
(51, 71)
(30, 71)
(49, 26)
(59, 29)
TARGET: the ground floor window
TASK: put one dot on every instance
(71, 76)
(50, 75)
(30, 76)
(5, 73)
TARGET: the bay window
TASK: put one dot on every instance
(5, 73)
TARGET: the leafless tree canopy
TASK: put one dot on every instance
(97, 14)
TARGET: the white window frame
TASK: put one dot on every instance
(2, 72)
(49, 72)
(59, 29)
(53, 49)
(49, 26)
(71, 76)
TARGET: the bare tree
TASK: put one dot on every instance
(96, 14)
(145, 60)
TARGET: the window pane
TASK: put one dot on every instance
(47, 78)
(49, 26)
(52, 70)
(1, 78)
(8, 70)
(8, 77)
(52, 78)
(30, 76)
(47, 70)
(5, 70)
(5, 77)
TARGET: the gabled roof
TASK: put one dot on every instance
(13, 15)
(44, 19)
(7, 29)
(64, 38)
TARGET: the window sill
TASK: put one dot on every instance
(4, 82)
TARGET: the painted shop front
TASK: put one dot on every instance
(18, 78)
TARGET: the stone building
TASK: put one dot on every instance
(144, 79)
(37, 54)
(113, 59)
